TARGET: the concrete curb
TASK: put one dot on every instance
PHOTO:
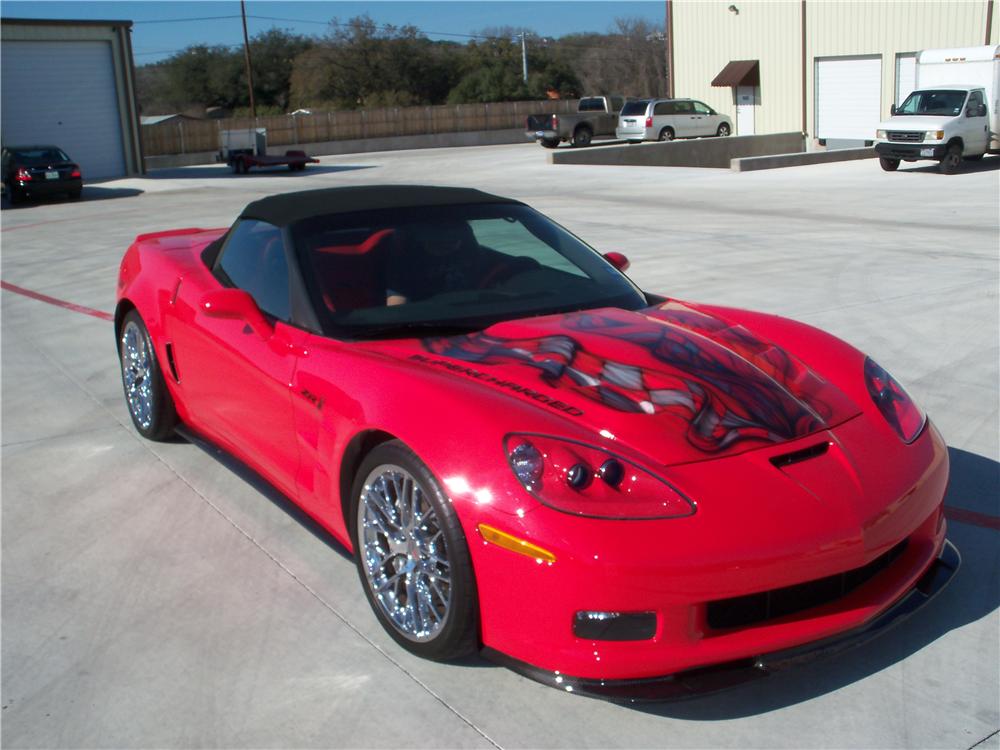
(779, 161)
(699, 152)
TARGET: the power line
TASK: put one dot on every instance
(185, 20)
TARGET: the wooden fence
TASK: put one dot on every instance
(192, 136)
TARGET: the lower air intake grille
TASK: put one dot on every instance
(741, 611)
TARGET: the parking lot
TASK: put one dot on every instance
(158, 595)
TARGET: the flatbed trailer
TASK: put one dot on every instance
(296, 161)
(243, 149)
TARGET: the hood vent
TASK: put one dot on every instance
(787, 459)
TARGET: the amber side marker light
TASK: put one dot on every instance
(508, 541)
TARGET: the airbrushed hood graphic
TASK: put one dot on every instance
(712, 388)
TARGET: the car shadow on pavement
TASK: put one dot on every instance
(209, 171)
(265, 488)
(90, 193)
(986, 164)
(972, 594)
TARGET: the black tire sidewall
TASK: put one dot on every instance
(662, 135)
(164, 417)
(950, 165)
(460, 635)
(889, 165)
(582, 137)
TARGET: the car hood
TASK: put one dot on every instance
(915, 122)
(673, 382)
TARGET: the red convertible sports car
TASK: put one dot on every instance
(618, 493)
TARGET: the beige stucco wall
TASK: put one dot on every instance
(707, 36)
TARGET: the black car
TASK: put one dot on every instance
(32, 171)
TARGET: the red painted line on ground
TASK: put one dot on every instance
(970, 516)
(62, 221)
(57, 302)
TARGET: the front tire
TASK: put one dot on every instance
(952, 159)
(149, 402)
(582, 137)
(889, 165)
(723, 131)
(412, 556)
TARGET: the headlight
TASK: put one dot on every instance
(881, 134)
(589, 481)
(933, 135)
(895, 404)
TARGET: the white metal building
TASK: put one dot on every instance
(72, 84)
(830, 68)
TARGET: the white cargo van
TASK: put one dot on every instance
(951, 114)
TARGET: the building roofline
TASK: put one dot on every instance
(62, 22)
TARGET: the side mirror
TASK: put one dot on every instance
(892, 110)
(618, 260)
(235, 304)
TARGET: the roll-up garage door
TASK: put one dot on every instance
(848, 97)
(63, 93)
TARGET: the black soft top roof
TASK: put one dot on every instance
(289, 208)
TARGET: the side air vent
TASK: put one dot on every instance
(813, 451)
(171, 364)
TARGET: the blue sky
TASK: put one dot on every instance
(154, 39)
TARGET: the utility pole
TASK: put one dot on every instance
(524, 57)
(246, 56)
(668, 27)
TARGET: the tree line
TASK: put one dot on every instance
(360, 64)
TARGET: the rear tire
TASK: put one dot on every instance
(667, 134)
(952, 159)
(889, 165)
(149, 402)
(412, 556)
(582, 137)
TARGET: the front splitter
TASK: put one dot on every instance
(702, 681)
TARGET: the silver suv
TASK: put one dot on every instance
(666, 119)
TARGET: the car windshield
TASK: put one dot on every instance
(39, 157)
(942, 102)
(420, 271)
(635, 108)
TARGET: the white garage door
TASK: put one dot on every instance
(848, 97)
(63, 93)
(906, 75)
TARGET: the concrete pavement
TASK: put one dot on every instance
(156, 595)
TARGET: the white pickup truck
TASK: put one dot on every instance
(951, 115)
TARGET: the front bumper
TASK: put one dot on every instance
(910, 151)
(758, 530)
(697, 682)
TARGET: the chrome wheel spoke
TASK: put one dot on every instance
(404, 555)
(137, 374)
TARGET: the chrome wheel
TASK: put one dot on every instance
(137, 374)
(403, 553)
